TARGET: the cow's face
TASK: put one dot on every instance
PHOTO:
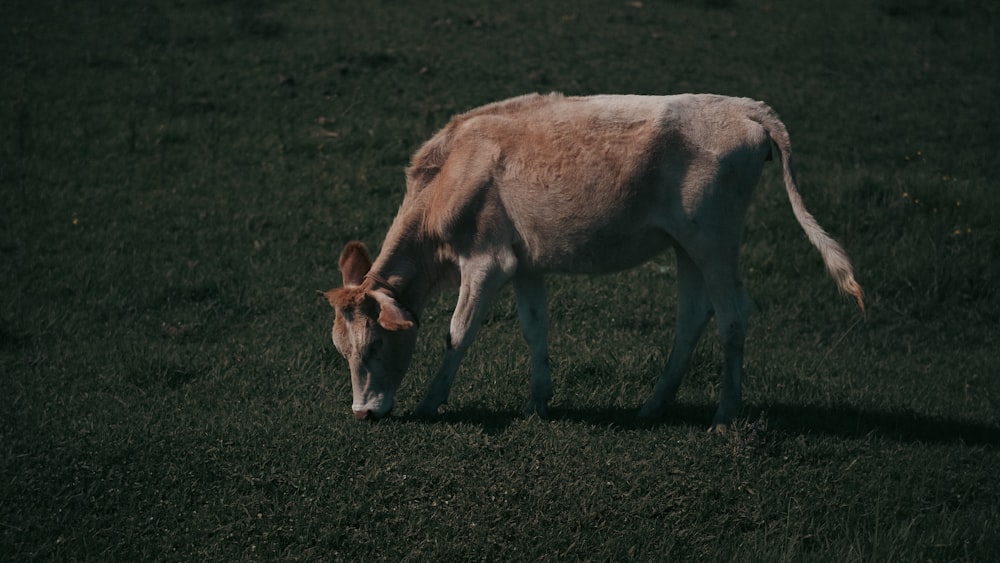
(373, 333)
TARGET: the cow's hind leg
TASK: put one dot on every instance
(694, 308)
(482, 277)
(732, 307)
(532, 311)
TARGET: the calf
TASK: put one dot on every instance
(520, 188)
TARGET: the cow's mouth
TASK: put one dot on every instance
(370, 414)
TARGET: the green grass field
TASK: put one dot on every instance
(178, 177)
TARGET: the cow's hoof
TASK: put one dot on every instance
(651, 410)
(536, 408)
(425, 410)
(720, 428)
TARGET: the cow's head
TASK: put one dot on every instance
(373, 332)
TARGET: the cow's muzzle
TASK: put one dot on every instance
(371, 414)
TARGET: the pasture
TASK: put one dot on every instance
(177, 178)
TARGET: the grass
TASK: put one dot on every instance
(176, 180)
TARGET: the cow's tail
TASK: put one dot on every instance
(838, 265)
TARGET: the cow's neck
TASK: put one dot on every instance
(407, 263)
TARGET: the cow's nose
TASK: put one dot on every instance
(363, 415)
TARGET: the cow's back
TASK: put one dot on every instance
(588, 184)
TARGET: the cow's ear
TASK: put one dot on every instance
(330, 296)
(392, 316)
(354, 263)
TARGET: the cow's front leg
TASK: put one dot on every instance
(482, 277)
(532, 311)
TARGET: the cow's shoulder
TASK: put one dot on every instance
(432, 155)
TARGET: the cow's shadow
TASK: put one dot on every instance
(841, 421)
(852, 422)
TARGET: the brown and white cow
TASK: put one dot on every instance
(520, 188)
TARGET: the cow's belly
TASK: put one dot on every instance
(598, 251)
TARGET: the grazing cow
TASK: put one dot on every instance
(516, 189)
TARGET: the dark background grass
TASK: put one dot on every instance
(177, 178)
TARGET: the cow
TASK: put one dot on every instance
(539, 184)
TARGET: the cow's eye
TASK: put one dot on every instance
(339, 345)
(374, 348)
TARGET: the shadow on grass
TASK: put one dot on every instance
(840, 421)
(496, 422)
(851, 422)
